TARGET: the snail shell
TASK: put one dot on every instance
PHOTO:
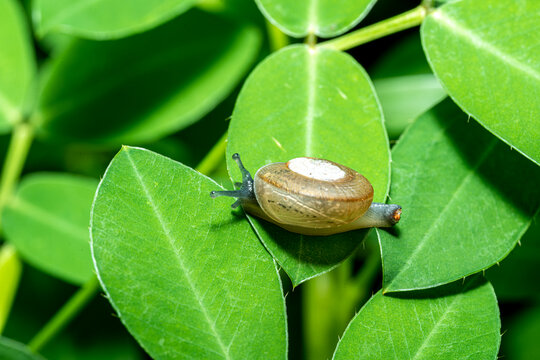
(310, 192)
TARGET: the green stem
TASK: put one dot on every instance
(331, 300)
(64, 315)
(214, 157)
(10, 274)
(365, 278)
(21, 139)
(311, 40)
(328, 305)
(276, 38)
(389, 26)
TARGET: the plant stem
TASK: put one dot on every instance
(276, 38)
(10, 274)
(329, 302)
(311, 40)
(332, 299)
(21, 139)
(64, 315)
(365, 278)
(214, 156)
(389, 26)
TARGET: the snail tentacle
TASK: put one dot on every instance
(246, 191)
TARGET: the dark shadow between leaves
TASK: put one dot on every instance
(453, 288)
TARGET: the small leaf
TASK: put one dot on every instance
(324, 18)
(488, 62)
(105, 19)
(452, 322)
(466, 197)
(17, 63)
(47, 221)
(187, 278)
(319, 103)
(10, 272)
(144, 95)
(517, 276)
(13, 350)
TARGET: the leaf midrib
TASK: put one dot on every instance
(178, 257)
(437, 325)
(469, 36)
(311, 93)
(312, 16)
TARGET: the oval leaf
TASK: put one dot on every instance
(13, 350)
(452, 322)
(17, 63)
(324, 18)
(466, 197)
(99, 19)
(144, 95)
(188, 279)
(305, 102)
(487, 60)
(47, 221)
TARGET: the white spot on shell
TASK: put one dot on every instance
(316, 169)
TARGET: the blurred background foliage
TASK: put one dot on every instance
(167, 79)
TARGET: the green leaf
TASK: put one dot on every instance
(319, 103)
(47, 221)
(144, 95)
(324, 18)
(13, 350)
(104, 19)
(187, 278)
(466, 197)
(487, 59)
(453, 322)
(10, 272)
(17, 63)
(517, 277)
(521, 340)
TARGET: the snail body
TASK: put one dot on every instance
(311, 196)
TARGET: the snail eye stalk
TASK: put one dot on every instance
(246, 190)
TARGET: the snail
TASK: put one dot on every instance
(311, 196)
